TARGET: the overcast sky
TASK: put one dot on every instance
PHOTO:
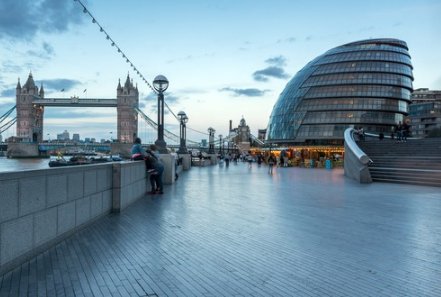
(224, 59)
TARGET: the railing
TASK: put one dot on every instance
(356, 161)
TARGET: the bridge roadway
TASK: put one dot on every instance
(241, 232)
(75, 101)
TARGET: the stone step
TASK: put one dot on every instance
(416, 157)
(412, 162)
(407, 174)
(405, 166)
(422, 182)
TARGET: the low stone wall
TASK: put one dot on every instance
(39, 208)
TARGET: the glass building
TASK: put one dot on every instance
(425, 112)
(365, 84)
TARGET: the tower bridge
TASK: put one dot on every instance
(31, 102)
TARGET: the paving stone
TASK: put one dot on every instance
(236, 231)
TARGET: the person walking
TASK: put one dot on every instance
(406, 131)
(399, 131)
(271, 160)
(250, 160)
(227, 160)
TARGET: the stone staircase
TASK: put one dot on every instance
(417, 161)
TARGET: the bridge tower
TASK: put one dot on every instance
(29, 116)
(127, 99)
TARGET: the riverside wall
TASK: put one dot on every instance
(39, 208)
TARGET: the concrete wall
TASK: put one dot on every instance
(39, 208)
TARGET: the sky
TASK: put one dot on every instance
(224, 59)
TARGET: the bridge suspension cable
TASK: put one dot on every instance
(7, 125)
(7, 113)
(154, 125)
(194, 130)
(260, 142)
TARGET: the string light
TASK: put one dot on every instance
(124, 56)
(113, 43)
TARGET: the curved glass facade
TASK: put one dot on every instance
(366, 83)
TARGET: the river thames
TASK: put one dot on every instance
(23, 164)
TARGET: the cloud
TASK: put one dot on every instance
(245, 92)
(59, 84)
(10, 66)
(170, 98)
(287, 40)
(152, 102)
(191, 91)
(277, 61)
(24, 19)
(9, 92)
(271, 71)
(6, 103)
(45, 52)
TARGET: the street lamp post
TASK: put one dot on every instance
(220, 144)
(211, 140)
(183, 120)
(160, 83)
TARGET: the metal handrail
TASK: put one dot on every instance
(352, 145)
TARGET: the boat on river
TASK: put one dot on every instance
(61, 161)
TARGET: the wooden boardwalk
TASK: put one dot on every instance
(241, 232)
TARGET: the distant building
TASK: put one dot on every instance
(65, 136)
(87, 139)
(261, 134)
(425, 111)
(76, 137)
(29, 116)
(243, 135)
(128, 97)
